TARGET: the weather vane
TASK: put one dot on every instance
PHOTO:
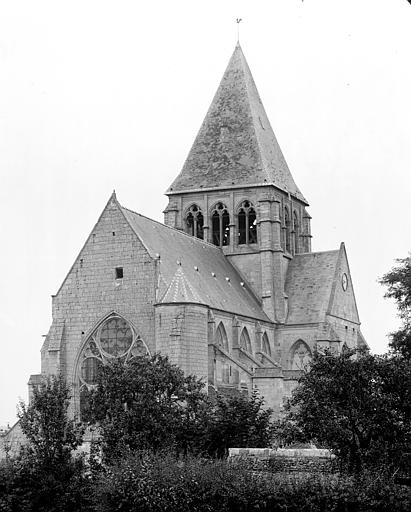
(238, 21)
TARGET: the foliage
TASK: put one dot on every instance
(149, 482)
(52, 436)
(398, 282)
(26, 486)
(359, 405)
(146, 403)
(238, 421)
(45, 476)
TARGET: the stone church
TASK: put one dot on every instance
(227, 287)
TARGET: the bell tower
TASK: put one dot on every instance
(236, 191)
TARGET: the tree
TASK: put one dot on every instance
(46, 477)
(238, 421)
(354, 403)
(146, 403)
(52, 436)
(398, 282)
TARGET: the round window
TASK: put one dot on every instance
(116, 336)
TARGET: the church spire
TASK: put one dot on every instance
(236, 145)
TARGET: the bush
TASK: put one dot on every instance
(149, 483)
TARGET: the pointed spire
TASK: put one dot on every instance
(236, 144)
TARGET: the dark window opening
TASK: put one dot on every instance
(296, 233)
(220, 224)
(119, 273)
(287, 231)
(247, 224)
(195, 222)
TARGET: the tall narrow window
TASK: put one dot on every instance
(296, 233)
(220, 223)
(195, 222)
(266, 345)
(247, 224)
(245, 342)
(221, 337)
(287, 230)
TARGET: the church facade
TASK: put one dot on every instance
(227, 287)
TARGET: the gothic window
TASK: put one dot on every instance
(265, 345)
(195, 222)
(247, 224)
(296, 232)
(287, 230)
(220, 224)
(245, 342)
(221, 337)
(115, 338)
(300, 355)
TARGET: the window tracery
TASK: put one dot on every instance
(115, 338)
(300, 355)
(220, 224)
(221, 337)
(195, 222)
(247, 224)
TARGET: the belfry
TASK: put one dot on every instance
(227, 287)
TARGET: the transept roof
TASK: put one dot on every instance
(236, 145)
(192, 270)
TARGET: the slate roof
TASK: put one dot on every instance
(236, 144)
(308, 285)
(187, 265)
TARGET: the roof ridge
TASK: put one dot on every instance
(201, 241)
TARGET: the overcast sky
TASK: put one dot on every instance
(103, 95)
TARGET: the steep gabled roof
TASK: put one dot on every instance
(192, 270)
(309, 282)
(236, 145)
(314, 288)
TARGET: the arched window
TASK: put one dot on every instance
(287, 230)
(113, 339)
(245, 342)
(296, 232)
(195, 222)
(265, 345)
(220, 223)
(247, 224)
(300, 355)
(221, 337)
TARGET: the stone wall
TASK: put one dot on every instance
(284, 460)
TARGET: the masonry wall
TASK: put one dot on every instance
(91, 290)
(181, 333)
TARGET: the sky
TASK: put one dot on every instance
(103, 95)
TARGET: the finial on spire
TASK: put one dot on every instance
(238, 21)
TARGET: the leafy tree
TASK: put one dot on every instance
(146, 403)
(398, 282)
(359, 405)
(52, 436)
(238, 421)
(46, 477)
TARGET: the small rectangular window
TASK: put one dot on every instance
(119, 273)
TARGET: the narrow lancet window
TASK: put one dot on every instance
(287, 230)
(220, 223)
(296, 233)
(247, 224)
(195, 222)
